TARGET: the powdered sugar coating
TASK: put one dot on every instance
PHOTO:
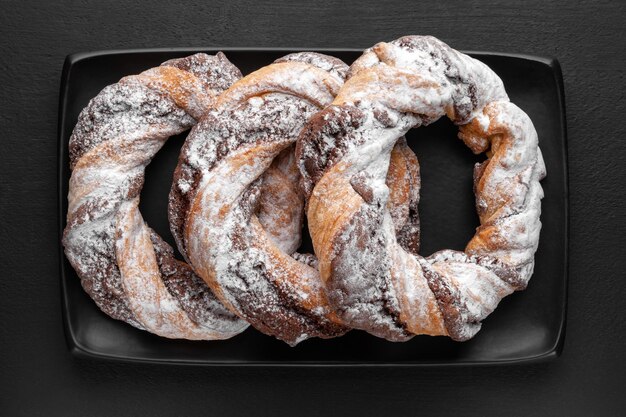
(217, 73)
(393, 87)
(221, 178)
(106, 240)
(330, 64)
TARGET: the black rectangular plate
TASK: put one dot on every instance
(527, 326)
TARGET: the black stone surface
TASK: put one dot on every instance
(38, 374)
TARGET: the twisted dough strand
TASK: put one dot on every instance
(344, 156)
(127, 269)
(217, 185)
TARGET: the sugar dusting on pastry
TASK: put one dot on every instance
(115, 138)
(227, 155)
(393, 87)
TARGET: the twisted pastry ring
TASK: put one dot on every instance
(128, 270)
(344, 152)
(218, 184)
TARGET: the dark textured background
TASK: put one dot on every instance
(39, 376)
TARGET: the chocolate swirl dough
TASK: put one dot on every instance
(373, 283)
(127, 269)
(238, 160)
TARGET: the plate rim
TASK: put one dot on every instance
(78, 350)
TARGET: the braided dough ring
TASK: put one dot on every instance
(128, 270)
(372, 282)
(229, 158)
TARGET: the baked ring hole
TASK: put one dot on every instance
(447, 210)
(153, 202)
